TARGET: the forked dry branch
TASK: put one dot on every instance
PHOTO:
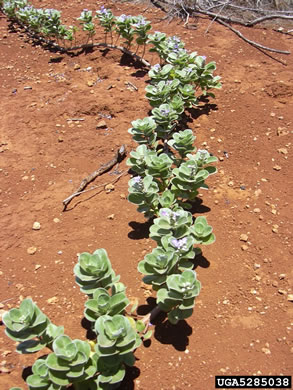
(246, 13)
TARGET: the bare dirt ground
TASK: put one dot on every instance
(243, 320)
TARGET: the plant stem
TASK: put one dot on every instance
(149, 318)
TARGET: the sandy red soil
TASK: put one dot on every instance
(243, 320)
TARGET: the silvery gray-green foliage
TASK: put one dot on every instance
(161, 92)
(141, 28)
(178, 224)
(86, 20)
(93, 271)
(143, 131)
(182, 142)
(29, 326)
(95, 365)
(102, 302)
(124, 28)
(187, 179)
(178, 298)
(165, 115)
(157, 265)
(70, 362)
(137, 159)
(171, 178)
(144, 193)
(158, 73)
(106, 19)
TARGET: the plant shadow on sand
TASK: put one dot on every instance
(166, 333)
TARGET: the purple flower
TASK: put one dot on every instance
(140, 23)
(157, 67)
(175, 39)
(204, 57)
(203, 154)
(179, 244)
(164, 111)
(138, 184)
(137, 179)
(122, 18)
(174, 217)
(164, 213)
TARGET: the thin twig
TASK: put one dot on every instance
(120, 154)
(218, 14)
(132, 85)
(267, 17)
(93, 188)
(6, 300)
(255, 44)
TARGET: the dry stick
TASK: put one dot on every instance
(94, 188)
(120, 154)
(239, 21)
(267, 17)
(289, 32)
(218, 14)
(259, 10)
(258, 45)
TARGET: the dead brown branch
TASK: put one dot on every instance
(120, 154)
(255, 44)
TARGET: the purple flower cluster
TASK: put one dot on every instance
(138, 183)
(179, 244)
(140, 23)
(137, 179)
(174, 216)
(103, 10)
(164, 213)
(203, 154)
(165, 111)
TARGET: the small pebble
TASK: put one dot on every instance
(244, 237)
(109, 187)
(111, 216)
(275, 228)
(32, 250)
(52, 300)
(290, 297)
(36, 226)
(101, 125)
